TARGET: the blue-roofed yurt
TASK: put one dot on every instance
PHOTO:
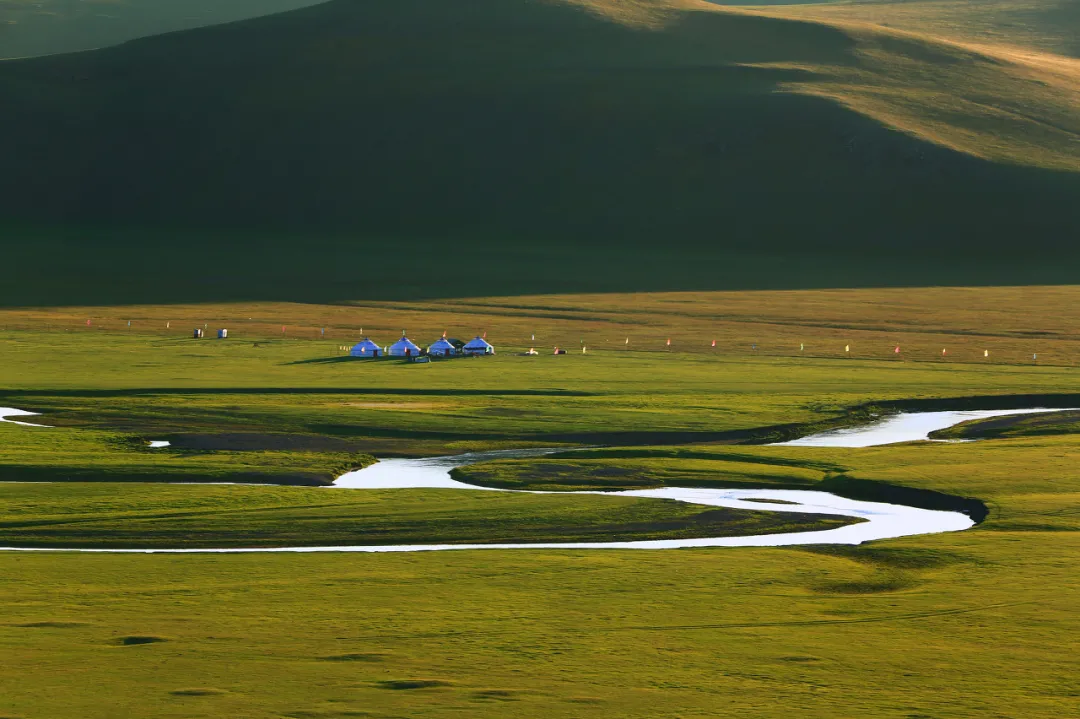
(477, 346)
(404, 347)
(367, 349)
(443, 348)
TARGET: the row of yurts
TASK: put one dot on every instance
(442, 347)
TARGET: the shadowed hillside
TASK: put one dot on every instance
(44, 27)
(326, 152)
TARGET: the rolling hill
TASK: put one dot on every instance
(44, 27)
(376, 148)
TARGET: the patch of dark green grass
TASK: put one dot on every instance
(198, 692)
(412, 684)
(52, 625)
(140, 639)
(870, 586)
(893, 557)
(354, 657)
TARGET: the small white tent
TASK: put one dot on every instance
(478, 346)
(443, 348)
(366, 348)
(404, 347)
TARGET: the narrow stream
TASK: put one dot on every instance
(903, 427)
(880, 520)
(6, 412)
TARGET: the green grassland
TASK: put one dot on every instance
(968, 624)
(149, 516)
(1019, 426)
(476, 166)
(392, 149)
(295, 392)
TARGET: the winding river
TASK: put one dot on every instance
(880, 520)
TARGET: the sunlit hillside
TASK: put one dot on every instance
(1051, 26)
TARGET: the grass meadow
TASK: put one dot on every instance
(585, 174)
(968, 624)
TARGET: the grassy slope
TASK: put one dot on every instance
(1050, 26)
(515, 127)
(43, 27)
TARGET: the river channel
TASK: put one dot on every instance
(879, 520)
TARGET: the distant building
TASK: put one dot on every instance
(443, 348)
(367, 349)
(404, 347)
(477, 346)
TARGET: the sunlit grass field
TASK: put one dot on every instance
(446, 164)
(954, 625)
(967, 624)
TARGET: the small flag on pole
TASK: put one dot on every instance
(168, 325)
(627, 341)
(801, 346)
(444, 334)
